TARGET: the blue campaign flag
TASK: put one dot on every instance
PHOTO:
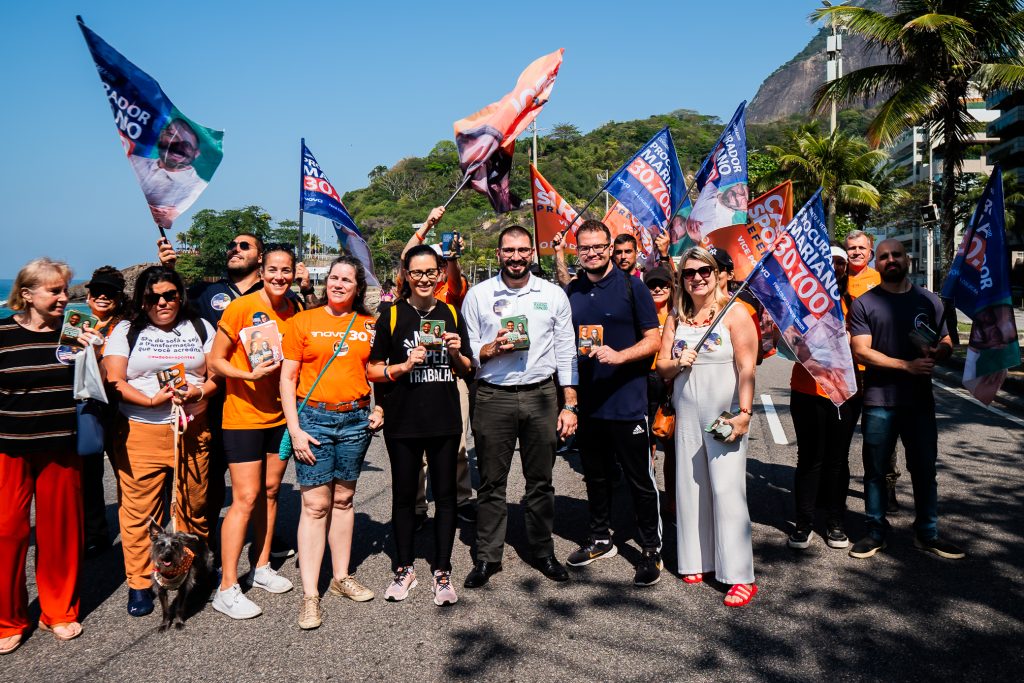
(723, 193)
(317, 195)
(650, 185)
(796, 282)
(173, 157)
(979, 285)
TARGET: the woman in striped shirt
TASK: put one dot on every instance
(38, 456)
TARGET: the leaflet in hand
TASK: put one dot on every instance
(74, 323)
(590, 336)
(174, 376)
(261, 343)
(924, 338)
(432, 333)
(518, 328)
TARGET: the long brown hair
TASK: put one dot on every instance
(684, 302)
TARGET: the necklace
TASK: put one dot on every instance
(423, 314)
(692, 322)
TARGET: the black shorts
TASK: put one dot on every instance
(251, 445)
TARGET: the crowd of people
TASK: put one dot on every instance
(348, 371)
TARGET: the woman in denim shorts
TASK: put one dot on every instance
(331, 435)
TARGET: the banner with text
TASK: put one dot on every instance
(767, 216)
(551, 215)
(173, 157)
(620, 221)
(650, 185)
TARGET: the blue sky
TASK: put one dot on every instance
(365, 83)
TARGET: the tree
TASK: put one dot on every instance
(211, 231)
(938, 49)
(839, 163)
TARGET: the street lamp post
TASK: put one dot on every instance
(602, 177)
(834, 59)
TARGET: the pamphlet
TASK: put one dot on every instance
(261, 343)
(432, 333)
(589, 337)
(518, 328)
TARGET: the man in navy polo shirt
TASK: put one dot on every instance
(613, 398)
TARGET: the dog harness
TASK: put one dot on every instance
(172, 577)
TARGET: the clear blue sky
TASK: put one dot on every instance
(366, 83)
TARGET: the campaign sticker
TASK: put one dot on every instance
(499, 306)
(370, 326)
(344, 349)
(220, 301)
(259, 317)
(66, 354)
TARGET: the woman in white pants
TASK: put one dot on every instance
(712, 521)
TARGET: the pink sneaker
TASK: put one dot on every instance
(404, 581)
(444, 592)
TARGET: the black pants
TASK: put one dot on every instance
(659, 392)
(406, 457)
(601, 443)
(93, 503)
(823, 436)
(216, 490)
(499, 419)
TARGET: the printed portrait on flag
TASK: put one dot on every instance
(173, 157)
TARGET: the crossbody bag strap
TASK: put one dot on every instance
(328, 363)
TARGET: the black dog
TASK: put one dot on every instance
(182, 563)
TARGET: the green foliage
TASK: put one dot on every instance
(189, 269)
(211, 231)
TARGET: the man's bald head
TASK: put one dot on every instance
(892, 261)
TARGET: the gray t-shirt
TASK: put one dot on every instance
(890, 319)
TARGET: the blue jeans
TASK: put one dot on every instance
(344, 440)
(915, 426)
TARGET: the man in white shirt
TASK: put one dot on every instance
(517, 399)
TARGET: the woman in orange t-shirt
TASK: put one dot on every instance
(253, 425)
(332, 434)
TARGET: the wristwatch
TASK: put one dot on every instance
(572, 408)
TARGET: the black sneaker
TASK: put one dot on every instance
(799, 539)
(937, 546)
(648, 570)
(837, 538)
(594, 550)
(866, 547)
(466, 512)
(280, 548)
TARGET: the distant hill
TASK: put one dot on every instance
(790, 89)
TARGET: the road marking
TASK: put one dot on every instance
(967, 396)
(774, 424)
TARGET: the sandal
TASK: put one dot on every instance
(693, 578)
(66, 630)
(743, 591)
(10, 643)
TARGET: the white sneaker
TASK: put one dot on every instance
(234, 604)
(269, 580)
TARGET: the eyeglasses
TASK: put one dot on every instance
(592, 248)
(244, 245)
(430, 274)
(154, 298)
(703, 271)
(512, 251)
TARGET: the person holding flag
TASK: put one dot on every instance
(898, 333)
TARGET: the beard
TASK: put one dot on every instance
(595, 270)
(894, 274)
(243, 270)
(506, 269)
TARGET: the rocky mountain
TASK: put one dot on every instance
(790, 88)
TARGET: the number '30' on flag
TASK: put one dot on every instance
(797, 284)
(979, 285)
(173, 157)
(650, 185)
(319, 196)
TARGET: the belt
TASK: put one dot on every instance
(516, 388)
(346, 407)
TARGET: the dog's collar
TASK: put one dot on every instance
(172, 577)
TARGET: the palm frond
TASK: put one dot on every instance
(992, 76)
(874, 26)
(866, 82)
(859, 192)
(908, 106)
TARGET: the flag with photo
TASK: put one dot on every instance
(767, 216)
(551, 215)
(319, 197)
(486, 140)
(979, 285)
(620, 221)
(796, 282)
(173, 157)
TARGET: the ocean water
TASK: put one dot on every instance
(5, 293)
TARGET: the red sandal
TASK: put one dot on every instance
(743, 591)
(693, 578)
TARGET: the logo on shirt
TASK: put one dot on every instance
(220, 301)
(540, 305)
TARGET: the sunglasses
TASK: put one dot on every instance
(658, 285)
(241, 246)
(108, 292)
(703, 271)
(154, 298)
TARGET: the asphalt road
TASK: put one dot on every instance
(820, 615)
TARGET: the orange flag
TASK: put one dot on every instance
(487, 139)
(551, 214)
(767, 215)
(620, 221)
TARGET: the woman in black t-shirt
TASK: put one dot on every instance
(424, 400)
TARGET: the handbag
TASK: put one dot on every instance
(285, 450)
(664, 424)
(91, 432)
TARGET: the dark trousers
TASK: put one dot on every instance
(499, 419)
(406, 456)
(601, 443)
(823, 436)
(93, 502)
(216, 491)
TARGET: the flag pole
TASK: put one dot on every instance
(302, 150)
(465, 179)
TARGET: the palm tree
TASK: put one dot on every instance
(842, 165)
(938, 49)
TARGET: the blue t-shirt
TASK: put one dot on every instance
(613, 392)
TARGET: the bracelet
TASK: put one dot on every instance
(572, 408)
(747, 411)
(202, 392)
(387, 375)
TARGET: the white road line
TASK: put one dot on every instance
(774, 424)
(966, 395)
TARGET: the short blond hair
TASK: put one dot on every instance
(33, 274)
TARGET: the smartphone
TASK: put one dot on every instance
(720, 429)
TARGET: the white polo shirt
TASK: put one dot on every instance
(552, 339)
